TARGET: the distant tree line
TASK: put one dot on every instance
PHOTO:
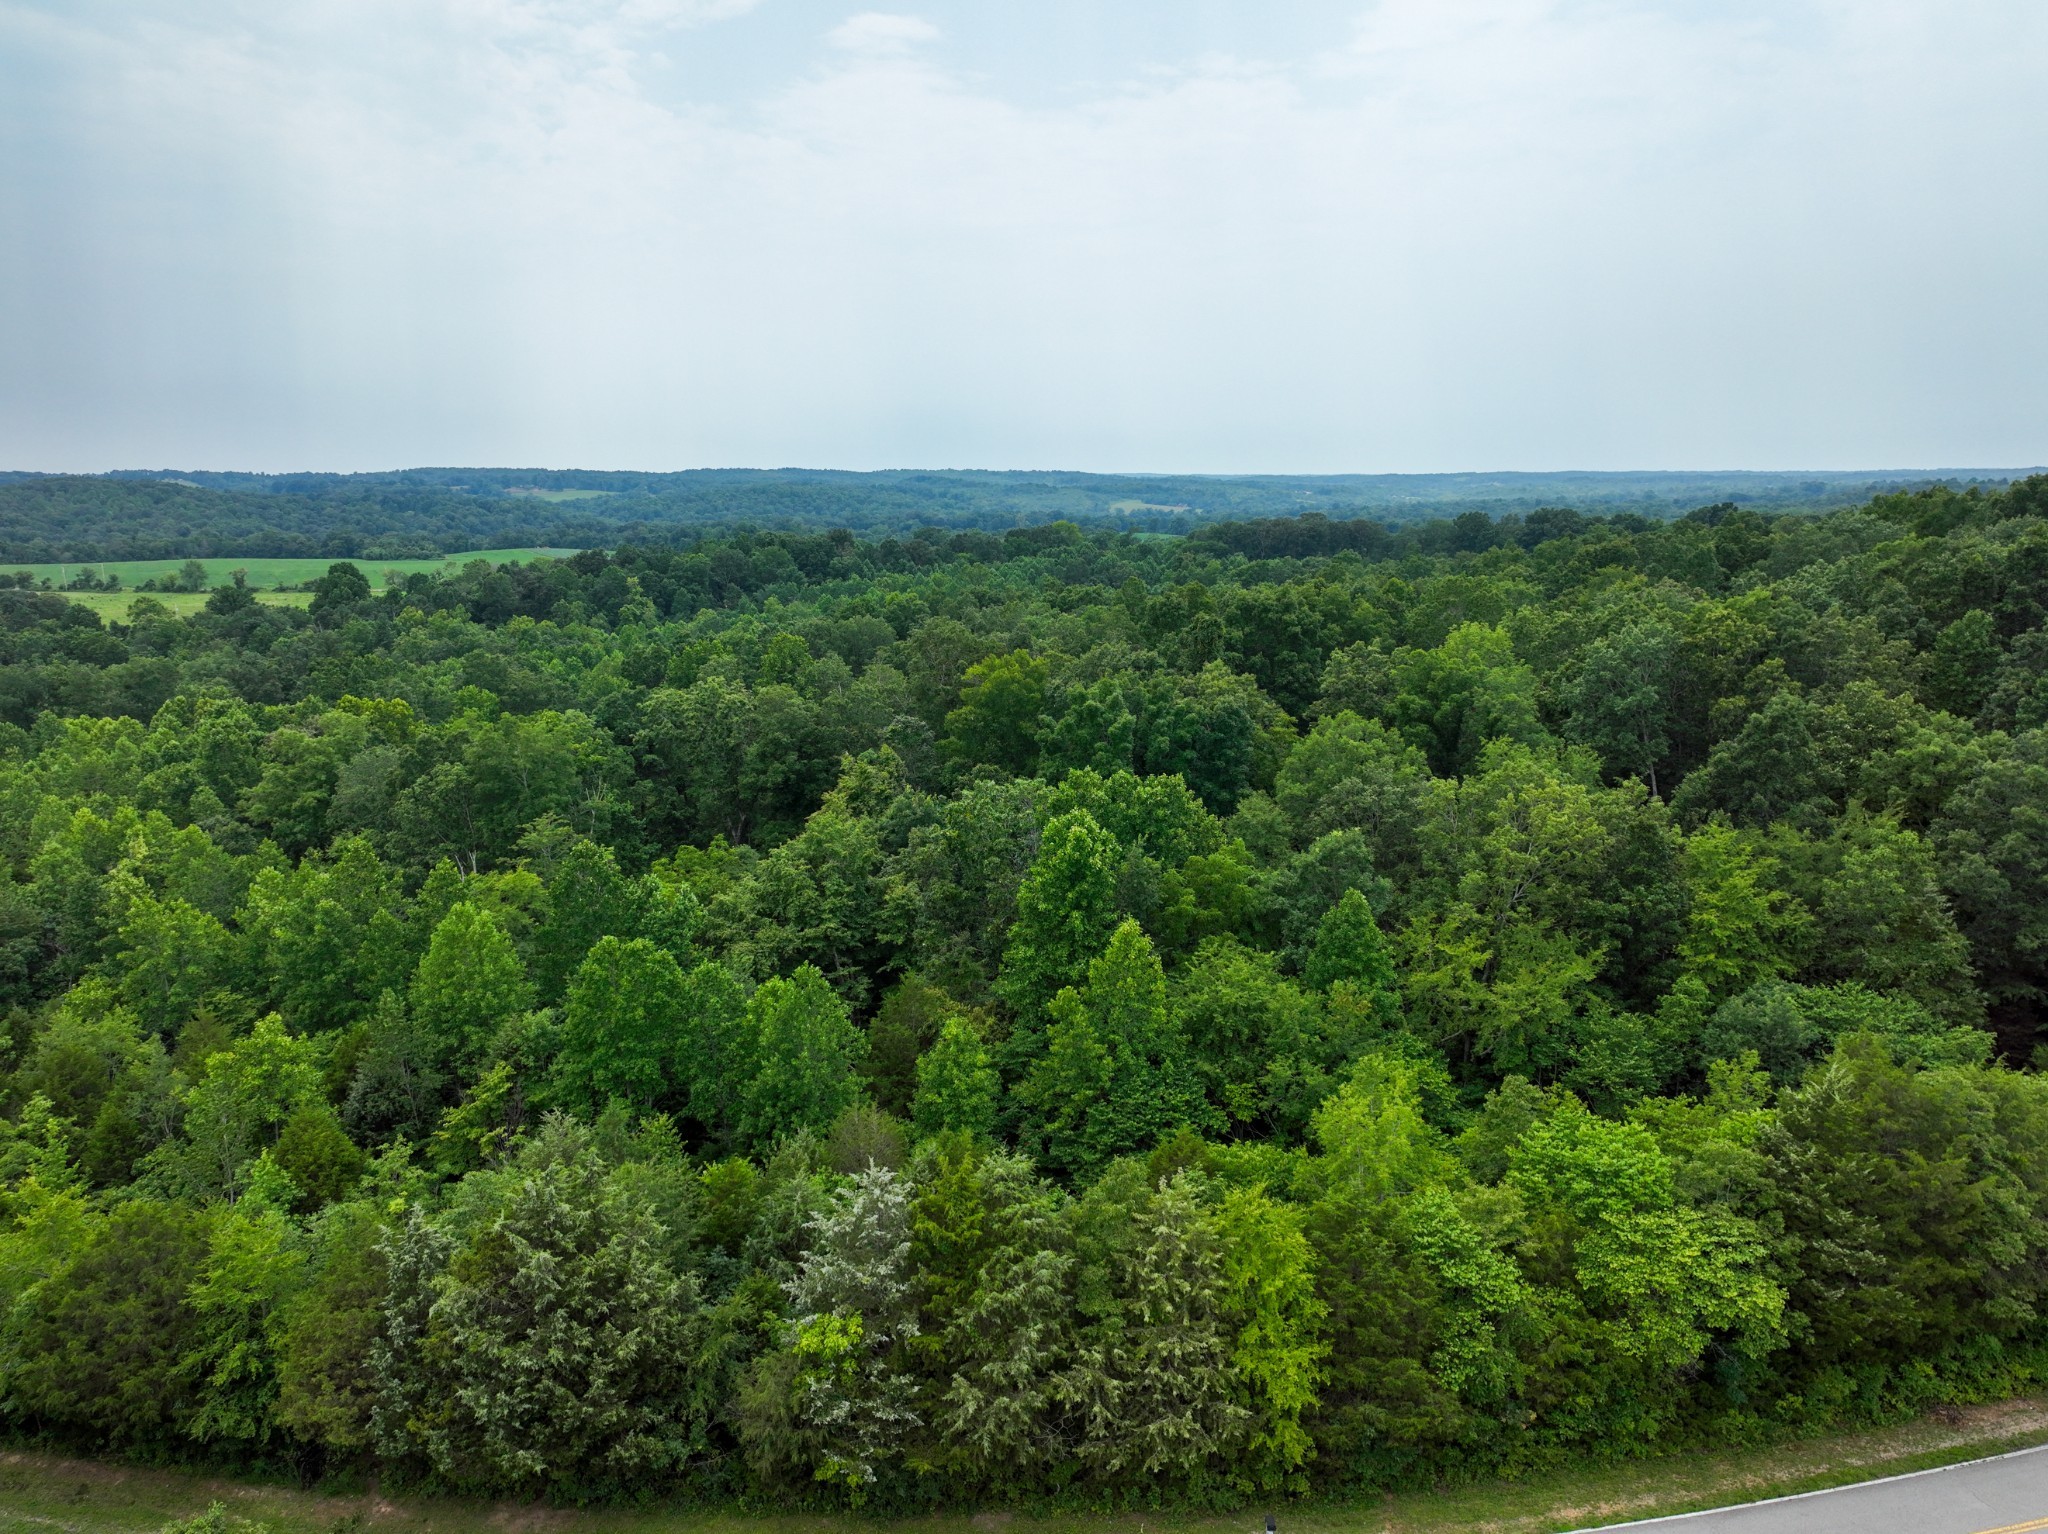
(424, 513)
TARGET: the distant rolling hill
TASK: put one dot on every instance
(425, 513)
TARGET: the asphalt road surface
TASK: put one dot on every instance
(2004, 1495)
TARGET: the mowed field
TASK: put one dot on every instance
(113, 606)
(280, 572)
(263, 574)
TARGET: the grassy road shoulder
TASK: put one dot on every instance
(68, 1496)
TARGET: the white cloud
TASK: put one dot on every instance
(1527, 233)
(604, 13)
(881, 32)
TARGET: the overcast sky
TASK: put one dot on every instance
(1196, 235)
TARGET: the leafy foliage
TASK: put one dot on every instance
(1113, 1019)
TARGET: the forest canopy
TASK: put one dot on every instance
(980, 1016)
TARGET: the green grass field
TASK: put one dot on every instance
(70, 1496)
(112, 606)
(267, 573)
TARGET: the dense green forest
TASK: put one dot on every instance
(966, 1017)
(421, 513)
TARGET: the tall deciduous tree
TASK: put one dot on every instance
(621, 1025)
(1621, 700)
(997, 720)
(1066, 910)
(469, 984)
(1115, 1074)
(807, 1061)
(587, 899)
(957, 1083)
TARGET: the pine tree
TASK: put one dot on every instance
(558, 1344)
(318, 1156)
(999, 1344)
(1160, 1386)
(397, 1087)
(1349, 946)
(853, 1306)
(1068, 1086)
(1352, 960)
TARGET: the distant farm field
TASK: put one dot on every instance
(113, 605)
(264, 574)
(267, 573)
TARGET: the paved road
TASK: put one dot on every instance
(2004, 1495)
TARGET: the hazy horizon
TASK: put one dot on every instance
(1853, 472)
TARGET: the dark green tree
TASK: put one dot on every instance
(558, 1346)
(101, 1349)
(587, 899)
(1115, 1074)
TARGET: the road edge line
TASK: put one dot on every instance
(1801, 1496)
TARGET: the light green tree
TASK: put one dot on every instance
(1351, 950)
(807, 1061)
(1651, 1278)
(621, 1024)
(1066, 910)
(957, 1083)
(1740, 928)
(170, 954)
(254, 1267)
(717, 1048)
(469, 984)
(1374, 1139)
(249, 1093)
(1450, 701)
(1275, 1319)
